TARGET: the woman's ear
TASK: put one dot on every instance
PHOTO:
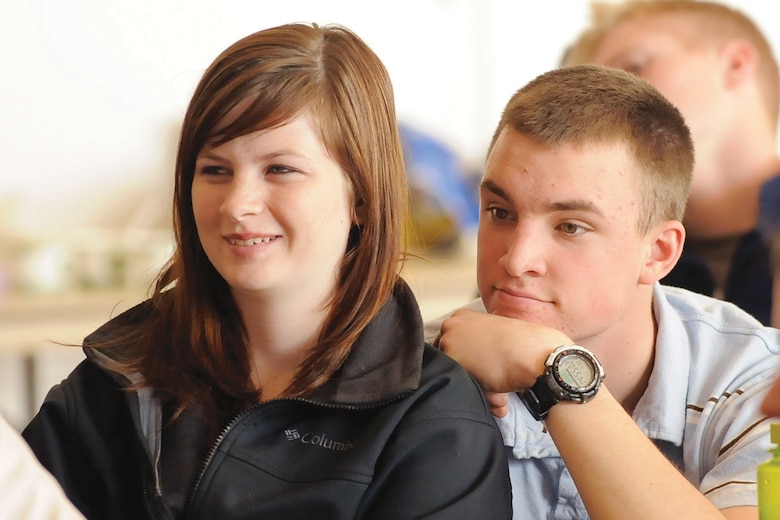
(665, 243)
(358, 213)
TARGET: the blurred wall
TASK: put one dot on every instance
(92, 91)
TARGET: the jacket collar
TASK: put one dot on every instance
(385, 362)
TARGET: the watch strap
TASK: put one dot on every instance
(539, 398)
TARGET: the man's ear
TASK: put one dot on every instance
(665, 243)
(740, 60)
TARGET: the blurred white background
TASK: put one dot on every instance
(92, 93)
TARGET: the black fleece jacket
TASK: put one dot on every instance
(400, 432)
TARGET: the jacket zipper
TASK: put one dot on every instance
(221, 437)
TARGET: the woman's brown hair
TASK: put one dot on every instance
(194, 350)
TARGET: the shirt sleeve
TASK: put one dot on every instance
(27, 490)
(739, 441)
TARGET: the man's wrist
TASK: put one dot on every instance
(571, 373)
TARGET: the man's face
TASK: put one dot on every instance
(558, 242)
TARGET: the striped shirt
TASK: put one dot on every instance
(713, 365)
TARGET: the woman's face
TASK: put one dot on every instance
(273, 212)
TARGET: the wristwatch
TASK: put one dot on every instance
(571, 373)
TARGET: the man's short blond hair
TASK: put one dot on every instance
(592, 104)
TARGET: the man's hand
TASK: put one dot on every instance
(502, 354)
(499, 403)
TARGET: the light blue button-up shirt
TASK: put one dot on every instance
(713, 365)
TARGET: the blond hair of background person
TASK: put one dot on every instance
(27, 490)
(714, 64)
(584, 190)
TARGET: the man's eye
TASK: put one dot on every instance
(571, 229)
(498, 213)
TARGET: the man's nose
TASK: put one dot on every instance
(525, 252)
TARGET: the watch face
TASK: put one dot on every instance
(575, 371)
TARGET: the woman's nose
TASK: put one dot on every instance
(242, 199)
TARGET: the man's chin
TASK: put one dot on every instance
(530, 315)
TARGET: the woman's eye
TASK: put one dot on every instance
(212, 170)
(279, 169)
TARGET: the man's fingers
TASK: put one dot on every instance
(499, 403)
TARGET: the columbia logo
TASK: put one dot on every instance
(318, 439)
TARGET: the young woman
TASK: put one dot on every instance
(279, 368)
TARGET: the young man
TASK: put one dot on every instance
(714, 64)
(583, 192)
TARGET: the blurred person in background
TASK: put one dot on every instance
(715, 65)
(770, 223)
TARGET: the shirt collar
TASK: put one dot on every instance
(660, 412)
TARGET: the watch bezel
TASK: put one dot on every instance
(565, 390)
(550, 389)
